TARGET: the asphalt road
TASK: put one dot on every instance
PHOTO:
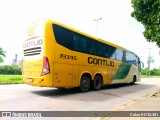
(23, 97)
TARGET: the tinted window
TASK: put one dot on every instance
(109, 51)
(112, 53)
(63, 36)
(90, 47)
(131, 58)
(98, 48)
(106, 51)
(80, 43)
(119, 54)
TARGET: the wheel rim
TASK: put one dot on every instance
(85, 83)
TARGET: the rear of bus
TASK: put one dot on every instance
(36, 61)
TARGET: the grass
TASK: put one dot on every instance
(11, 79)
(146, 76)
(17, 79)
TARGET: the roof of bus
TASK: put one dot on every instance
(87, 35)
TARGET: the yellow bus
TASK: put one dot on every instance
(56, 55)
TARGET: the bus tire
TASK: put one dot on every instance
(133, 81)
(85, 84)
(97, 83)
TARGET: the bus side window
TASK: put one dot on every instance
(106, 51)
(112, 53)
(75, 43)
(83, 44)
(89, 47)
(100, 51)
(128, 57)
(66, 39)
(124, 56)
(79, 43)
(119, 54)
(131, 58)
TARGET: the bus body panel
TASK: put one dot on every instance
(76, 76)
(133, 71)
(33, 64)
(63, 75)
(32, 69)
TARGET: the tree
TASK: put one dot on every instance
(155, 72)
(149, 61)
(145, 71)
(2, 54)
(148, 13)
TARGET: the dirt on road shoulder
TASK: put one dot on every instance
(156, 94)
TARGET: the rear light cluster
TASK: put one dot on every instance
(46, 68)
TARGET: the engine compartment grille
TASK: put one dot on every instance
(32, 51)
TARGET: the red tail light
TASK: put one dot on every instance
(46, 68)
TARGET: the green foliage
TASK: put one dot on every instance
(10, 70)
(153, 72)
(2, 54)
(11, 79)
(148, 13)
(145, 71)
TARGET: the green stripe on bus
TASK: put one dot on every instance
(122, 71)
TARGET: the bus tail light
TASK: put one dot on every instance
(46, 68)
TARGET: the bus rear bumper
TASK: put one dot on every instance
(36, 81)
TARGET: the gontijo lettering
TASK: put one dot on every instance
(33, 43)
(96, 61)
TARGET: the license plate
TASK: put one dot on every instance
(30, 80)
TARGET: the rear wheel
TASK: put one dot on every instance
(85, 84)
(97, 83)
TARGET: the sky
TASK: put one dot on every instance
(116, 25)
